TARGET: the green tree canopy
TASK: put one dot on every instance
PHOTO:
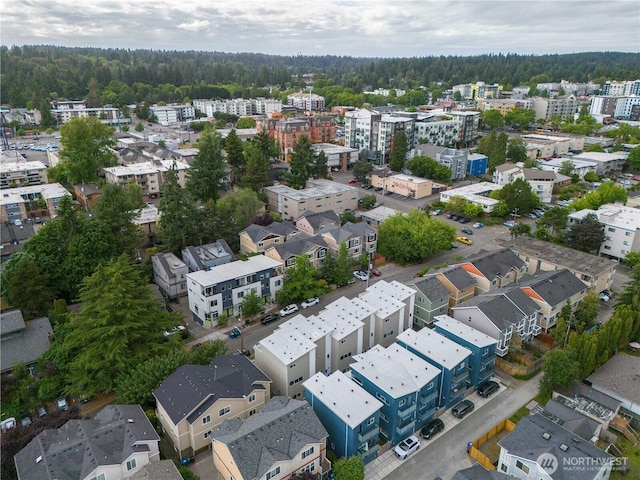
(349, 468)
(29, 289)
(560, 370)
(586, 235)
(235, 155)
(517, 150)
(301, 282)
(119, 326)
(586, 312)
(208, 169)
(594, 147)
(412, 237)
(361, 170)
(256, 175)
(398, 153)
(302, 160)
(178, 225)
(608, 192)
(494, 146)
(519, 196)
(522, 117)
(426, 167)
(320, 168)
(634, 158)
(493, 119)
(85, 149)
(246, 122)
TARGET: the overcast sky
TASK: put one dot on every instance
(364, 28)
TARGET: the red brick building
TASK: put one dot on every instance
(287, 131)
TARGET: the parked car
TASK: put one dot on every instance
(236, 332)
(351, 280)
(41, 410)
(288, 310)
(478, 225)
(510, 223)
(450, 215)
(62, 404)
(379, 189)
(310, 302)
(466, 230)
(487, 388)
(407, 447)
(352, 181)
(376, 272)
(272, 317)
(25, 419)
(437, 212)
(453, 245)
(464, 220)
(362, 276)
(463, 408)
(465, 240)
(608, 293)
(454, 218)
(603, 297)
(173, 331)
(433, 427)
(8, 424)
(531, 215)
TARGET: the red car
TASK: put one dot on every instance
(352, 181)
(376, 272)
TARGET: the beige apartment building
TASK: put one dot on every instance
(319, 195)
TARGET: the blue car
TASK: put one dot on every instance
(236, 332)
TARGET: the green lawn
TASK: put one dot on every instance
(632, 453)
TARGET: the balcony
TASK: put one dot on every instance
(536, 329)
(368, 450)
(502, 351)
(427, 397)
(369, 434)
(460, 374)
(407, 410)
(403, 430)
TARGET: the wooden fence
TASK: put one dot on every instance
(474, 448)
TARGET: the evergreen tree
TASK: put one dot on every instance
(320, 168)
(235, 155)
(266, 145)
(398, 153)
(361, 170)
(302, 160)
(178, 225)
(209, 168)
(256, 175)
(586, 235)
(29, 289)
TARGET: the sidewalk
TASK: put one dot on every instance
(388, 461)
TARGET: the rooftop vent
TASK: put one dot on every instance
(564, 448)
(546, 435)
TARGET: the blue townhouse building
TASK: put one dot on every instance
(477, 164)
(482, 346)
(446, 355)
(407, 386)
(348, 412)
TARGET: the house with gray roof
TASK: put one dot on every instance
(286, 437)
(460, 284)
(115, 444)
(195, 399)
(22, 342)
(572, 420)
(205, 257)
(551, 291)
(432, 298)
(540, 448)
(312, 223)
(407, 385)
(314, 248)
(169, 273)
(499, 314)
(359, 238)
(493, 269)
(596, 272)
(350, 414)
(162, 470)
(257, 238)
(620, 378)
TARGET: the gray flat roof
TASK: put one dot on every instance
(232, 270)
(345, 398)
(395, 370)
(343, 323)
(463, 331)
(435, 346)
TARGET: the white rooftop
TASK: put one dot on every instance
(601, 156)
(380, 213)
(620, 216)
(434, 346)
(287, 346)
(345, 398)
(481, 188)
(409, 178)
(394, 289)
(355, 307)
(230, 271)
(384, 304)
(148, 214)
(463, 331)
(312, 327)
(342, 322)
(394, 369)
(47, 191)
(321, 189)
(145, 168)
(8, 167)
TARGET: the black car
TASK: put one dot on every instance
(454, 217)
(430, 429)
(466, 230)
(487, 388)
(272, 317)
(463, 408)
(464, 220)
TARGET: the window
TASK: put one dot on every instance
(206, 419)
(388, 334)
(382, 398)
(503, 467)
(611, 229)
(207, 434)
(224, 411)
(387, 320)
(627, 234)
(307, 452)
(99, 477)
(293, 365)
(383, 417)
(252, 412)
(402, 402)
(252, 397)
(371, 421)
(131, 464)
(522, 466)
(214, 303)
(273, 473)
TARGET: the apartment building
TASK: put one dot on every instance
(63, 111)
(149, 175)
(173, 113)
(350, 414)
(347, 335)
(205, 257)
(319, 195)
(337, 156)
(432, 298)
(606, 163)
(356, 310)
(306, 101)
(476, 193)
(580, 167)
(493, 269)
(504, 105)
(287, 131)
(18, 174)
(238, 106)
(314, 248)
(478, 91)
(399, 292)
(628, 87)
(359, 238)
(621, 228)
(388, 317)
(257, 238)
(222, 289)
(16, 203)
(169, 273)
(563, 106)
(409, 186)
(317, 331)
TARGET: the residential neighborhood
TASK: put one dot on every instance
(312, 279)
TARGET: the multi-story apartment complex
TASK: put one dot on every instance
(16, 203)
(238, 106)
(629, 87)
(477, 91)
(18, 174)
(63, 111)
(541, 181)
(306, 101)
(319, 195)
(563, 106)
(337, 156)
(606, 163)
(174, 113)
(287, 131)
(621, 228)
(222, 289)
(503, 105)
(149, 175)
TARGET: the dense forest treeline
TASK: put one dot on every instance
(33, 74)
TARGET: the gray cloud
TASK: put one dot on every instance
(390, 28)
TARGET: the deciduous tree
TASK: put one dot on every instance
(361, 170)
(586, 235)
(426, 167)
(301, 282)
(517, 150)
(349, 468)
(560, 370)
(493, 119)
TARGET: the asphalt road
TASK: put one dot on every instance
(448, 453)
